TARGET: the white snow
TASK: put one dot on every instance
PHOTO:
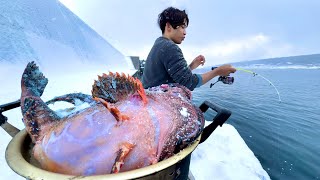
(71, 55)
(225, 155)
(184, 112)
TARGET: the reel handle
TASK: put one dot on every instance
(225, 79)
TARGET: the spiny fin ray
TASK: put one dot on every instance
(115, 87)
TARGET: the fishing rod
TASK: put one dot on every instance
(229, 80)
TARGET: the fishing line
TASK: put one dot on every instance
(255, 74)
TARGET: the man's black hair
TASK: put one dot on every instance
(175, 17)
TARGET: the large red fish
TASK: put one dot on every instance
(125, 128)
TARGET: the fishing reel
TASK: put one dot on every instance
(224, 79)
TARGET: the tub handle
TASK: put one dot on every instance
(11, 130)
(222, 115)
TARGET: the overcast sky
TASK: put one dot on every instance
(223, 31)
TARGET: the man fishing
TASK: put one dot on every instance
(165, 62)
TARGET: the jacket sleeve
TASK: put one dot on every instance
(178, 69)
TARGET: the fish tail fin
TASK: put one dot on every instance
(115, 87)
(33, 82)
(36, 114)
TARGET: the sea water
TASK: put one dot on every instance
(284, 136)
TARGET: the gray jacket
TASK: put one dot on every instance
(166, 64)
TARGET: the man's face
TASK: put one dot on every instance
(178, 34)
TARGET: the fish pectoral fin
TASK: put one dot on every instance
(113, 110)
(122, 154)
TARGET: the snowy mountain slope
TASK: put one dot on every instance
(46, 31)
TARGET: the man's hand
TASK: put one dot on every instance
(197, 61)
(225, 70)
